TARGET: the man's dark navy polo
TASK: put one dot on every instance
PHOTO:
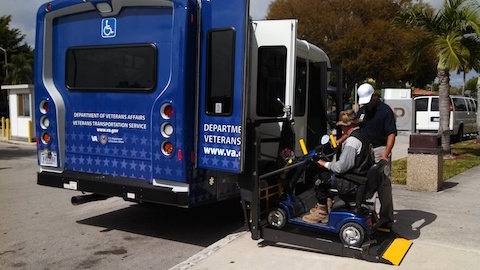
(377, 123)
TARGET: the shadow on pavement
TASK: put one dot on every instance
(410, 222)
(201, 226)
(11, 151)
(448, 185)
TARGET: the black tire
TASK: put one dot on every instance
(352, 234)
(460, 134)
(277, 218)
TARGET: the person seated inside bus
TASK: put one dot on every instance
(355, 160)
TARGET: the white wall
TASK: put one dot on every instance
(19, 124)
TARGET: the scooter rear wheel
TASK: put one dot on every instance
(352, 234)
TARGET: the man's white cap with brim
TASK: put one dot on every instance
(365, 92)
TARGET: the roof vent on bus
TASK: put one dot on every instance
(104, 8)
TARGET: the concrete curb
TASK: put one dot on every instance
(205, 253)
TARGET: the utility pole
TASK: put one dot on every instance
(5, 53)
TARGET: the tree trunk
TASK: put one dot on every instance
(444, 108)
(478, 104)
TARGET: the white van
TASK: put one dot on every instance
(463, 115)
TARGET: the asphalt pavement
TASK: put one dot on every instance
(443, 227)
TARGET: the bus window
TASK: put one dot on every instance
(111, 68)
(271, 81)
(300, 87)
(220, 70)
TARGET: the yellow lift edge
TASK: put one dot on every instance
(397, 250)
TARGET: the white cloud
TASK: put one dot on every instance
(24, 13)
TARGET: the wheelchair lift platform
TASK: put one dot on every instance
(387, 248)
(382, 247)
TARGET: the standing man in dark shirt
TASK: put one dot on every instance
(378, 123)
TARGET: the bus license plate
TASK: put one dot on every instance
(48, 158)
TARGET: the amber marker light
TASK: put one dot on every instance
(167, 148)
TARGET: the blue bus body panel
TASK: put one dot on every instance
(220, 136)
(117, 133)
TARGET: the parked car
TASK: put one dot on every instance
(463, 115)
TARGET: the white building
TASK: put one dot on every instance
(21, 113)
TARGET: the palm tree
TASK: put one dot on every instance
(19, 70)
(453, 35)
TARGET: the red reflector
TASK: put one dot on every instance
(48, 7)
(369, 222)
(192, 18)
(179, 155)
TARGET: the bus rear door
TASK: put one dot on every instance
(223, 76)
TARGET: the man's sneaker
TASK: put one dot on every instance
(319, 209)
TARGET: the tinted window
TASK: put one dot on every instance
(272, 66)
(221, 54)
(459, 104)
(471, 105)
(300, 87)
(421, 104)
(111, 68)
(434, 106)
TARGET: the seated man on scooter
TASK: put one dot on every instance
(355, 159)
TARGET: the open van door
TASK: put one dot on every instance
(222, 84)
(273, 71)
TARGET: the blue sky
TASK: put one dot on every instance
(24, 15)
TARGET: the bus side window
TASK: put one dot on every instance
(220, 71)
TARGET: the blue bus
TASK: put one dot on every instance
(149, 99)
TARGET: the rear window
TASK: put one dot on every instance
(421, 104)
(111, 68)
(471, 105)
(434, 106)
(459, 104)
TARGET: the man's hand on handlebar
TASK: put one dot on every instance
(321, 162)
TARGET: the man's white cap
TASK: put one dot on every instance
(365, 92)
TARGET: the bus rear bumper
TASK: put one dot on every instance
(127, 188)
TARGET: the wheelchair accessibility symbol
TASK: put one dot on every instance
(109, 28)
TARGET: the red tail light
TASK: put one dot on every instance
(44, 106)
(167, 111)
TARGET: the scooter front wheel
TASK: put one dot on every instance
(277, 218)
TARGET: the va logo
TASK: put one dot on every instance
(109, 28)
(103, 139)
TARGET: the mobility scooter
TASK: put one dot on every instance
(351, 216)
